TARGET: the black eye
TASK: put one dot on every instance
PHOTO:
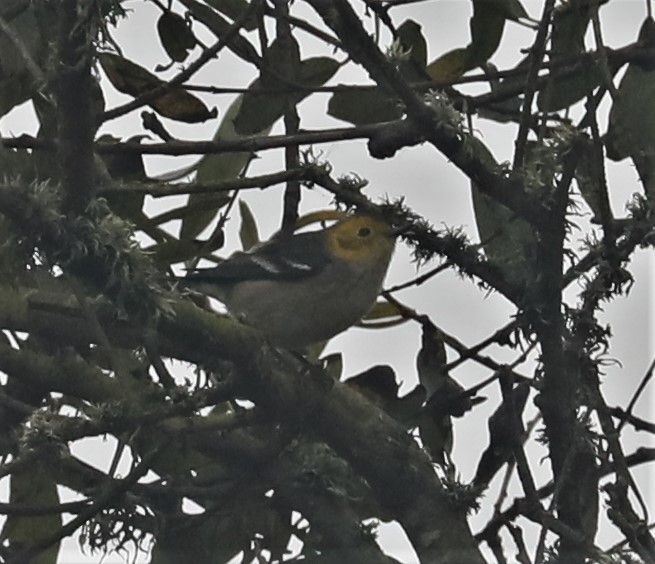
(364, 232)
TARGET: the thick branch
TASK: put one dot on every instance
(424, 238)
(341, 18)
(74, 97)
(357, 430)
(102, 501)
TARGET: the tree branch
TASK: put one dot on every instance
(356, 429)
(340, 17)
(76, 124)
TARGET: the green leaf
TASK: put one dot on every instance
(213, 168)
(265, 103)
(509, 108)
(266, 99)
(631, 127)
(588, 179)
(509, 9)
(570, 22)
(412, 42)
(364, 106)
(248, 232)
(132, 79)
(560, 93)
(361, 106)
(500, 424)
(378, 384)
(508, 240)
(487, 26)
(33, 487)
(436, 432)
(431, 360)
(316, 71)
(631, 131)
(125, 167)
(219, 26)
(449, 66)
(175, 35)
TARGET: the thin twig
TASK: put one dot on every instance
(291, 117)
(339, 15)
(633, 400)
(502, 495)
(306, 27)
(517, 535)
(638, 423)
(450, 340)
(246, 143)
(625, 515)
(522, 466)
(496, 338)
(566, 532)
(599, 178)
(421, 279)
(536, 56)
(152, 350)
(602, 51)
(102, 501)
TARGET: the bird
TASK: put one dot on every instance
(301, 289)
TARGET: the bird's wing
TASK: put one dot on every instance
(287, 258)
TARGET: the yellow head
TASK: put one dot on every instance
(362, 239)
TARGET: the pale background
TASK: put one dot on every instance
(435, 189)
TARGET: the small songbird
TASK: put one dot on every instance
(301, 289)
